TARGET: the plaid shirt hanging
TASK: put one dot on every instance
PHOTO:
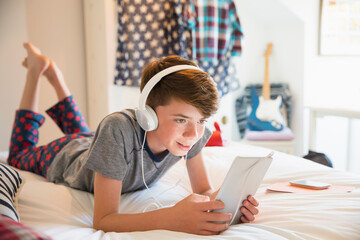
(216, 36)
(215, 27)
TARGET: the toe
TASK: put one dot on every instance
(31, 48)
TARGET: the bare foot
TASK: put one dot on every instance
(51, 72)
(35, 62)
(56, 79)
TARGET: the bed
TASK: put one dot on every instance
(64, 213)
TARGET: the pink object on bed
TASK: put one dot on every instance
(285, 187)
(283, 135)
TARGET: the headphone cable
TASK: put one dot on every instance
(156, 201)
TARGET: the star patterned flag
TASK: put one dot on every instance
(147, 29)
(223, 73)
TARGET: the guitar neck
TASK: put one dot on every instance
(266, 84)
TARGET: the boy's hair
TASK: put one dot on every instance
(194, 87)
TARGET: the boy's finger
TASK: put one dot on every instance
(244, 219)
(216, 227)
(247, 214)
(218, 217)
(250, 207)
(253, 201)
(211, 205)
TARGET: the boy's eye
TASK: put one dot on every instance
(180, 120)
(202, 122)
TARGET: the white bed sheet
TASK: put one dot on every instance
(65, 213)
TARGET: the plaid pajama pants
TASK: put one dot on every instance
(23, 152)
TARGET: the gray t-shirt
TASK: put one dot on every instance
(114, 152)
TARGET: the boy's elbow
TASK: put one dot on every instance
(106, 224)
(97, 225)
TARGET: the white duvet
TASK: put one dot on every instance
(65, 213)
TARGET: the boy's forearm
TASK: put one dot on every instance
(158, 219)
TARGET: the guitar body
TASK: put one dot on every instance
(270, 110)
(255, 124)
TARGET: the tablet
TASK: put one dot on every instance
(242, 180)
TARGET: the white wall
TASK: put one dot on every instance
(331, 81)
(12, 13)
(57, 28)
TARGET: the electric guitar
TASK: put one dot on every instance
(266, 114)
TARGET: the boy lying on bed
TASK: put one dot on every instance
(108, 163)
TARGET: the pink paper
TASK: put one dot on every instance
(285, 187)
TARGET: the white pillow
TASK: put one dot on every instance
(3, 156)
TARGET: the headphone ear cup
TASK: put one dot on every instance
(153, 119)
(147, 118)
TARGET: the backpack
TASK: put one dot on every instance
(320, 158)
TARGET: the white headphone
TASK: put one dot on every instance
(145, 115)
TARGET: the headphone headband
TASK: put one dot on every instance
(156, 78)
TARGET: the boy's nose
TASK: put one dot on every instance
(191, 131)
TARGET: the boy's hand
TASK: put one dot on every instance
(214, 194)
(193, 215)
(249, 209)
